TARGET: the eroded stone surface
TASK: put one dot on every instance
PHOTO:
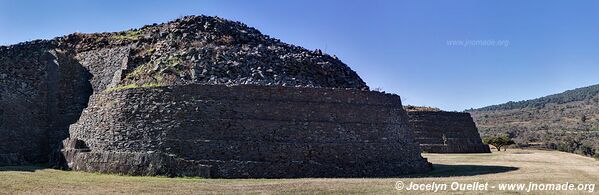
(253, 131)
(446, 132)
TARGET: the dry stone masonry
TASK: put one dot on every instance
(198, 96)
(42, 92)
(246, 131)
(446, 132)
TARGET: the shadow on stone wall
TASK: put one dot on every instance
(442, 170)
(24, 168)
(68, 97)
(71, 93)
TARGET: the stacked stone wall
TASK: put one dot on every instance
(247, 131)
(446, 132)
(43, 89)
(24, 109)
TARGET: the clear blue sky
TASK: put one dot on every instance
(399, 46)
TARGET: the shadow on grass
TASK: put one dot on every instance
(24, 168)
(441, 170)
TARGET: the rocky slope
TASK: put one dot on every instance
(211, 50)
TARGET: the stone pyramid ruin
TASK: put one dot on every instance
(197, 96)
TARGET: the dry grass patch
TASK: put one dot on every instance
(513, 166)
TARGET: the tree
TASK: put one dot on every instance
(499, 141)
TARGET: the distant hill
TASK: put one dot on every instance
(579, 94)
(567, 121)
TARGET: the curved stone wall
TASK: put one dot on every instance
(446, 132)
(244, 132)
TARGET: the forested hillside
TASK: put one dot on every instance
(567, 121)
(580, 94)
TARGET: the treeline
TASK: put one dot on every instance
(580, 94)
(579, 142)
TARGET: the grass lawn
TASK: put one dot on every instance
(513, 166)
